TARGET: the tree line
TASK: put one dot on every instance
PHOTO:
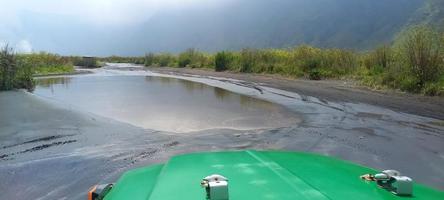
(414, 62)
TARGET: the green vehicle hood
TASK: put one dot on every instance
(256, 175)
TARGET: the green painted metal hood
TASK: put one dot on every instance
(256, 175)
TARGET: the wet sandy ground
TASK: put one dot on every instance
(51, 151)
(332, 90)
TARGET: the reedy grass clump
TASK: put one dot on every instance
(86, 62)
(14, 72)
(415, 63)
(43, 63)
(122, 59)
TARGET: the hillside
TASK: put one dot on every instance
(228, 24)
(430, 13)
(285, 23)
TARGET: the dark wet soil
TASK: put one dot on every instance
(42, 139)
(334, 90)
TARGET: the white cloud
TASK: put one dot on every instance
(23, 46)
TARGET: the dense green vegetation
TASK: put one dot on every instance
(46, 63)
(86, 62)
(14, 72)
(121, 59)
(414, 63)
(17, 70)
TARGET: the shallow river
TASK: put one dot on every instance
(163, 103)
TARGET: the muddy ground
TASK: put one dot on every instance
(333, 90)
(53, 151)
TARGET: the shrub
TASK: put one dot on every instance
(184, 60)
(315, 74)
(193, 58)
(247, 60)
(121, 59)
(222, 60)
(422, 49)
(88, 62)
(165, 59)
(433, 89)
(24, 76)
(46, 63)
(383, 56)
(8, 68)
(14, 73)
(407, 83)
(150, 59)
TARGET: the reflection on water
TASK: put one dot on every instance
(165, 103)
(48, 82)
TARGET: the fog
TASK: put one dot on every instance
(135, 27)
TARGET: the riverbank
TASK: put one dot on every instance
(331, 90)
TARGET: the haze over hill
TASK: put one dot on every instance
(139, 26)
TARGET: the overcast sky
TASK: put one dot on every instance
(17, 27)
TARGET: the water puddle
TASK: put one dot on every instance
(164, 103)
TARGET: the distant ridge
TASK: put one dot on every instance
(236, 24)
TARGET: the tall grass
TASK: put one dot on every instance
(222, 60)
(123, 59)
(414, 63)
(14, 73)
(86, 62)
(17, 70)
(47, 63)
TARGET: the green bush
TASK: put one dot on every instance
(222, 61)
(8, 68)
(315, 74)
(14, 72)
(88, 62)
(150, 59)
(433, 89)
(408, 83)
(193, 58)
(24, 76)
(185, 58)
(165, 60)
(122, 59)
(248, 58)
(46, 63)
(422, 49)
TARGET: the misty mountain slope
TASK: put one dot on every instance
(229, 25)
(431, 13)
(285, 23)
